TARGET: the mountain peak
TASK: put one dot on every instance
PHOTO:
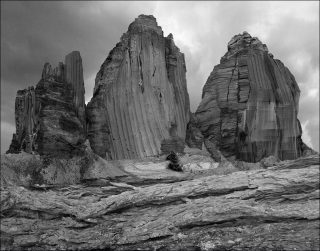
(244, 41)
(145, 23)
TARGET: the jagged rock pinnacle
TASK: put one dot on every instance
(50, 119)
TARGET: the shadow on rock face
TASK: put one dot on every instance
(30, 170)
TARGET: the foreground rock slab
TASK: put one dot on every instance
(253, 210)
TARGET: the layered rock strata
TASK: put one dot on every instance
(250, 103)
(274, 209)
(50, 119)
(140, 98)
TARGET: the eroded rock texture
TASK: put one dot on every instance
(250, 103)
(74, 75)
(140, 98)
(50, 118)
(26, 121)
(194, 137)
(274, 209)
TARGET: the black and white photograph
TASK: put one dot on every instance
(160, 125)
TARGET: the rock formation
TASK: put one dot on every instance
(250, 103)
(140, 103)
(174, 163)
(140, 108)
(194, 137)
(50, 119)
(26, 121)
(273, 209)
(74, 75)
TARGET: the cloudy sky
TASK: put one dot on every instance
(33, 33)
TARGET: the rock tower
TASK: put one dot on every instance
(50, 119)
(250, 104)
(140, 104)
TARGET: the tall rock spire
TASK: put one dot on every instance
(74, 75)
(140, 103)
(250, 103)
(50, 119)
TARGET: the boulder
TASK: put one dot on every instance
(174, 163)
(269, 161)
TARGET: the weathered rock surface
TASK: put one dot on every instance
(194, 137)
(74, 75)
(250, 103)
(50, 119)
(32, 170)
(26, 116)
(174, 144)
(274, 209)
(140, 98)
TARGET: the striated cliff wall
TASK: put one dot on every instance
(140, 103)
(50, 118)
(26, 121)
(74, 75)
(250, 103)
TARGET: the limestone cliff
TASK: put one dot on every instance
(140, 103)
(50, 119)
(250, 103)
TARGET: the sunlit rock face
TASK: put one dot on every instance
(250, 103)
(140, 103)
(50, 119)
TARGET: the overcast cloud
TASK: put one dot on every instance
(33, 33)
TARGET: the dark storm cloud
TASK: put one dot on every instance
(36, 32)
(33, 33)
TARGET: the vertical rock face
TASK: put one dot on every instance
(140, 101)
(26, 121)
(74, 75)
(250, 103)
(194, 137)
(50, 118)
